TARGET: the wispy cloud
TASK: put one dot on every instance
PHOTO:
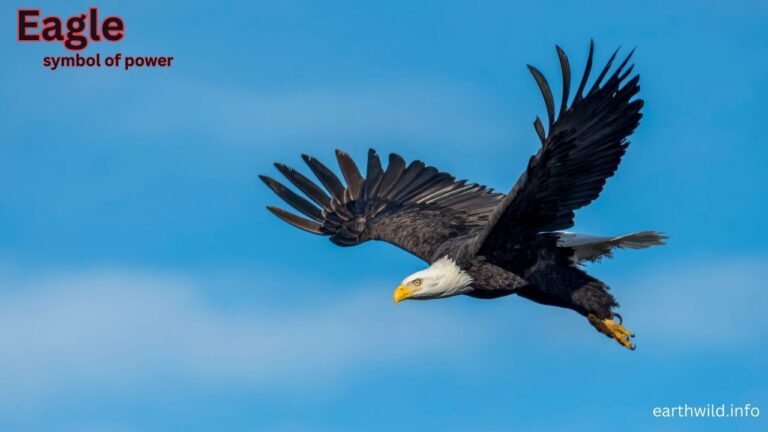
(114, 330)
(713, 304)
(111, 330)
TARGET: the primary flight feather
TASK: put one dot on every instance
(485, 244)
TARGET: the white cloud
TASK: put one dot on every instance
(717, 304)
(113, 330)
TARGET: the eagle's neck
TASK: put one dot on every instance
(451, 279)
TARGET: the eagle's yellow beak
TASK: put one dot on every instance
(402, 292)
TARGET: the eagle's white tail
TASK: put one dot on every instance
(639, 240)
(588, 247)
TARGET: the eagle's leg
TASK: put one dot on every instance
(612, 329)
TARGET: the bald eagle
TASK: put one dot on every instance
(484, 244)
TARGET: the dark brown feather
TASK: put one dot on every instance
(298, 222)
(326, 177)
(305, 185)
(351, 174)
(293, 199)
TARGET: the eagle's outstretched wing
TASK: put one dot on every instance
(580, 151)
(414, 207)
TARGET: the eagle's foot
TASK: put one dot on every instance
(612, 329)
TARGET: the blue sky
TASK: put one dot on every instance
(143, 287)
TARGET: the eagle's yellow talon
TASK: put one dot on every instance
(613, 330)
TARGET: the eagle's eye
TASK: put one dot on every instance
(416, 282)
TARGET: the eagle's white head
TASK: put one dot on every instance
(441, 279)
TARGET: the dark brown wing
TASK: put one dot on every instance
(581, 150)
(416, 208)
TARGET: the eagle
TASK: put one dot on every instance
(484, 244)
